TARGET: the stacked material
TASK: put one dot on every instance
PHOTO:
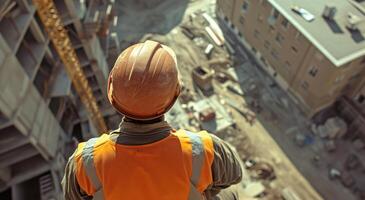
(332, 128)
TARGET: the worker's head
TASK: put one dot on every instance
(143, 83)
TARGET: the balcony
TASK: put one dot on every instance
(30, 53)
(16, 22)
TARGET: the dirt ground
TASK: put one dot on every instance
(270, 137)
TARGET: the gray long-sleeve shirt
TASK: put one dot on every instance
(226, 167)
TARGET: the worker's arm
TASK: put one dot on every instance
(71, 189)
(226, 167)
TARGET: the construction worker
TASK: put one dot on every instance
(146, 158)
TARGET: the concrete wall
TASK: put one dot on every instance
(38, 108)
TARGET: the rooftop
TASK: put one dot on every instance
(332, 38)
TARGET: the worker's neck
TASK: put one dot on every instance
(152, 121)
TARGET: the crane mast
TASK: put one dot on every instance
(49, 16)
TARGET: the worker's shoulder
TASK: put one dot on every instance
(205, 136)
(95, 143)
(187, 133)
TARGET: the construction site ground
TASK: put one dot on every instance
(269, 136)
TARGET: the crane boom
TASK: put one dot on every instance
(49, 16)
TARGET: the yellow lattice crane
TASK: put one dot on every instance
(49, 16)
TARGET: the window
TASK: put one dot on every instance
(232, 26)
(256, 33)
(244, 6)
(273, 16)
(285, 23)
(298, 35)
(279, 38)
(339, 78)
(263, 60)
(361, 99)
(260, 18)
(305, 85)
(242, 20)
(287, 65)
(319, 56)
(313, 71)
(267, 44)
(363, 61)
(355, 76)
(275, 54)
(294, 49)
(274, 13)
(264, 2)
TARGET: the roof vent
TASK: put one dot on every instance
(354, 22)
(329, 12)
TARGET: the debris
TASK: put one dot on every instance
(208, 50)
(249, 163)
(300, 139)
(303, 140)
(255, 105)
(200, 42)
(245, 112)
(289, 194)
(221, 77)
(330, 145)
(252, 87)
(333, 128)
(207, 114)
(203, 78)
(263, 170)
(254, 189)
(303, 13)
(214, 30)
(220, 63)
(222, 120)
(188, 33)
(334, 173)
(347, 179)
(352, 162)
(232, 74)
(358, 144)
(213, 36)
(235, 89)
(316, 160)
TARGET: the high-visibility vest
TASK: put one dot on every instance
(177, 167)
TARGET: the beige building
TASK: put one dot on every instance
(316, 61)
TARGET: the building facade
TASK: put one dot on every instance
(41, 116)
(315, 61)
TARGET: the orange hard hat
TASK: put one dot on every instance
(143, 83)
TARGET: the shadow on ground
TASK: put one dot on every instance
(137, 18)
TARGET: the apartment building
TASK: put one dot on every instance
(316, 60)
(41, 115)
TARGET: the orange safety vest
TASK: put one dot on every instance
(177, 167)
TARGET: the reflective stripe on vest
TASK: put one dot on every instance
(197, 163)
(198, 157)
(88, 161)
